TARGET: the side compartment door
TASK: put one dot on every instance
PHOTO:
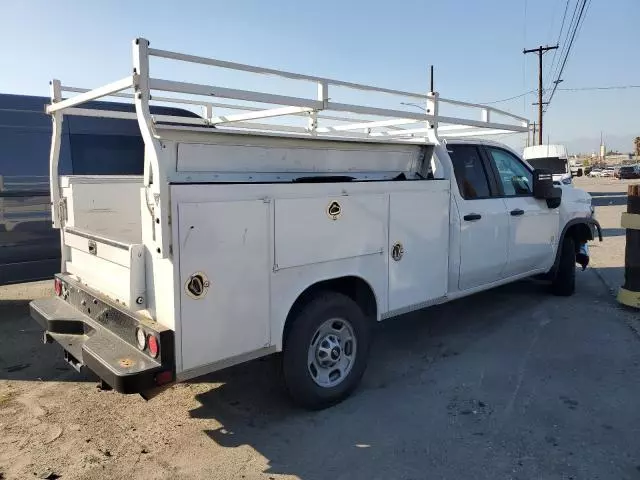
(483, 218)
(226, 313)
(533, 226)
(418, 240)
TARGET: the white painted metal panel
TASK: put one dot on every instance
(419, 221)
(110, 208)
(117, 272)
(233, 153)
(533, 236)
(305, 233)
(118, 255)
(484, 242)
(229, 243)
(109, 278)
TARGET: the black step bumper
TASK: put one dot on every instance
(88, 343)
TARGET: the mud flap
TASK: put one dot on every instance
(582, 257)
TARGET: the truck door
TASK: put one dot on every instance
(533, 226)
(482, 218)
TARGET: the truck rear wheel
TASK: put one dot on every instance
(326, 350)
(564, 281)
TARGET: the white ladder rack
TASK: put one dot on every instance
(389, 124)
(325, 119)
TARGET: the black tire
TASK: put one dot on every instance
(306, 321)
(564, 281)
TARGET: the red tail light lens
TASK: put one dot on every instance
(57, 286)
(154, 348)
(165, 377)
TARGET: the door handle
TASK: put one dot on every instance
(472, 216)
(517, 212)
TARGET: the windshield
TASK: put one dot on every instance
(554, 164)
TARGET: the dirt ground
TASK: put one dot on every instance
(511, 383)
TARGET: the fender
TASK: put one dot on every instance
(590, 222)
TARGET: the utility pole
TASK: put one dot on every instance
(533, 136)
(540, 51)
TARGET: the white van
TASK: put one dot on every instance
(550, 157)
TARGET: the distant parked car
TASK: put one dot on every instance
(595, 172)
(631, 171)
(608, 172)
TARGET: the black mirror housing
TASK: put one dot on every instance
(544, 189)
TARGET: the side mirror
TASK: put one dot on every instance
(544, 189)
(579, 172)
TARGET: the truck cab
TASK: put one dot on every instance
(551, 157)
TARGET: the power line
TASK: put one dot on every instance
(612, 87)
(568, 51)
(555, 52)
(565, 43)
(510, 98)
(577, 89)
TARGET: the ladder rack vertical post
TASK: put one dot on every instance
(323, 96)
(432, 109)
(155, 176)
(208, 111)
(54, 155)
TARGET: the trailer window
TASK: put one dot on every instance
(469, 171)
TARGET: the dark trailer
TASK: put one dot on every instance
(29, 247)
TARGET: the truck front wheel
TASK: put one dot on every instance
(326, 350)
(564, 280)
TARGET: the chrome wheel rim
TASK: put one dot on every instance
(332, 352)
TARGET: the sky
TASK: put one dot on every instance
(475, 46)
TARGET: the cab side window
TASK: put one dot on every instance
(514, 176)
(470, 172)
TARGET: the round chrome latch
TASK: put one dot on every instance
(334, 210)
(397, 251)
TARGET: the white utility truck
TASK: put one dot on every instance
(553, 158)
(288, 224)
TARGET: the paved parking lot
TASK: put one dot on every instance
(511, 383)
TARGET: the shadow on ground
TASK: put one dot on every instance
(489, 384)
(22, 353)
(606, 199)
(613, 232)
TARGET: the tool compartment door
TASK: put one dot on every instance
(329, 228)
(418, 245)
(226, 243)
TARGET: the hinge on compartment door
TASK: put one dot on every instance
(62, 211)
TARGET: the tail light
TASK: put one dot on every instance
(165, 377)
(152, 343)
(57, 286)
(141, 339)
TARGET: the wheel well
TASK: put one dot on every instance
(353, 287)
(580, 232)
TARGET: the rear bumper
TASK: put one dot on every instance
(88, 343)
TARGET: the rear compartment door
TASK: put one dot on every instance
(224, 280)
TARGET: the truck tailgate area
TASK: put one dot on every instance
(102, 240)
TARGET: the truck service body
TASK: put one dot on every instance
(247, 238)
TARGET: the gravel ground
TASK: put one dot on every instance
(511, 383)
